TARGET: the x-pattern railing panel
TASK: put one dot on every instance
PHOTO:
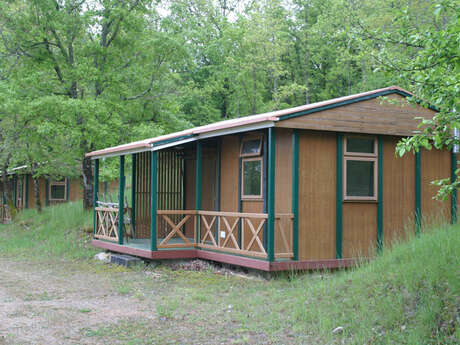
(106, 223)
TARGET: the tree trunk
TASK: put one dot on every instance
(8, 192)
(87, 181)
(307, 101)
(38, 203)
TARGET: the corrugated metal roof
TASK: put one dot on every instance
(146, 144)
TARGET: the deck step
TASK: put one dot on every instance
(124, 260)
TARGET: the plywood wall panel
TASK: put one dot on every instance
(435, 165)
(317, 195)
(229, 174)
(398, 191)
(359, 234)
(283, 171)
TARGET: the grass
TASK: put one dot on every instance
(59, 232)
(409, 294)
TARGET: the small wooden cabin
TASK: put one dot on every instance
(308, 187)
(52, 191)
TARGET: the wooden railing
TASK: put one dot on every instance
(106, 223)
(178, 231)
(284, 236)
(226, 224)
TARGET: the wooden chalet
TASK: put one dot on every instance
(52, 191)
(309, 187)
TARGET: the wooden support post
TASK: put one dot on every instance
(271, 194)
(67, 189)
(26, 176)
(47, 192)
(339, 196)
(15, 187)
(153, 200)
(418, 193)
(380, 195)
(198, 182)
(121, 200)
(295, 194)
(133, 194)
(453, 200)
(96, 191)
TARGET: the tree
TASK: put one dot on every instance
(85, 71)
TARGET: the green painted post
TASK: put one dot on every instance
(453, 199)
(339, 198)
(198, 178)
(153, 200)
(121, 202)
(218, 192)
(271, 194)
(67, 189)
(26, 176)
(15, 187)
(295, 193)
(418, 193)
(380, 196)
(47, 192)
(133, 194)
(96, 191)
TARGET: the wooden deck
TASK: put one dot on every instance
(141, 248)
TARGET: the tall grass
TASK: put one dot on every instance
(59, 232)
(410, 294)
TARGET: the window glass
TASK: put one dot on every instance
(252, 172)
(251, 147)
(58, 192)
(360, 178)
(360, 145)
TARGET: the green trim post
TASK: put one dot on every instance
(295, 193)
(121, 201)
(453, 200)
(271, 194)
(218, 189)
(339, 197)
(240, 204)
(47, 192)
(418, 193)
(26, 177)
(198, 181)
(15, 190)
(96, 191)
(153, 200)
(380, 195)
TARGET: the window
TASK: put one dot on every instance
(252, 178)
(251, 146)
(360, 168)
(252, 167)
(58, 190)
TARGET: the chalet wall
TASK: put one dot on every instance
(398, 191)
(317, 198)
(434, 165)
(229, 174)
(317, 195)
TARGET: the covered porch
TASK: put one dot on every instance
(177, 206)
